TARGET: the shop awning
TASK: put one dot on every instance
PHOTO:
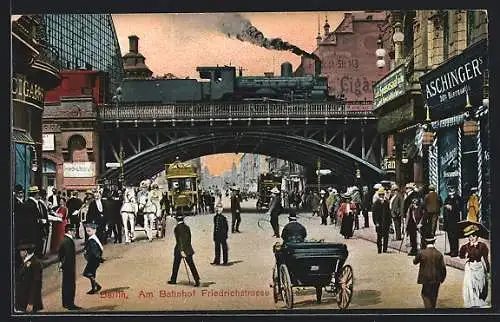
(22, 137)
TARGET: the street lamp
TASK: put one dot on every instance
(380, 53)
(398, 36)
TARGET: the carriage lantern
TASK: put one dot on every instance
(470, 127)
(428, 138)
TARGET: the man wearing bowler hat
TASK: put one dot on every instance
(293, 232)
(28, 292)
(235, 209)
(67, 259)
(32, 220)
(432, 272)
(451, 217)
(183, 249)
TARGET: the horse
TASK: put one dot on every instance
(128, 212)
(148, 210)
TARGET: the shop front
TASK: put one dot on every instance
(456, 96)
(399, 108)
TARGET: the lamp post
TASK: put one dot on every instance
(398, 38)
(380, 53)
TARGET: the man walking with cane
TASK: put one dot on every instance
(183, 250)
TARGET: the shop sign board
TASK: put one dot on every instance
(79, 169)
(445, 89)
(389, 88)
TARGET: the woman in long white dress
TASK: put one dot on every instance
(477, 267)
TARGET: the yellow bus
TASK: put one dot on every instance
(182, 188)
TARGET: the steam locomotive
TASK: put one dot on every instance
(220, 83)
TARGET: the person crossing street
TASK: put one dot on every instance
(235, 209)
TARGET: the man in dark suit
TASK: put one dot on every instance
(44, 224)
(95, 214)
(382, 220)
(93, 255)
(293, 232)
(413, 225)
(220, 235)
(432, 272)
(17, 220)
(396, 205)
(28, 296)
(67, 259)
(54, 199)
(235, 210)
(32, 223)
(452, 213)
(74, 204)
(183, 249)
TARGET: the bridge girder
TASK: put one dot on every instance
(298, 146)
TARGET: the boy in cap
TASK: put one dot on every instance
(432, 272)
(93, 255)
(67, 259)
(220, 235)
(28, 292)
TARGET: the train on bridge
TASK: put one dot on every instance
(220, 83)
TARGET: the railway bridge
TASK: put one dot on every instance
(145, 137)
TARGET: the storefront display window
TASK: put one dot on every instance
(23, 165)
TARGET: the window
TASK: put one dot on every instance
(77, 148)
(446, 36)
(471, 22)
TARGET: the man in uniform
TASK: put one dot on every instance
(432, 272)
(28, 291)
(275, 210)
(235, 209)
(67, 259)
(293, 232)
(183, 250)
(220, 235)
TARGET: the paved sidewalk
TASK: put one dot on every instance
(441, 242)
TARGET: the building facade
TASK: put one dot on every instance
(346, 55)
(35, 68)
(433, 104)
(86, 41)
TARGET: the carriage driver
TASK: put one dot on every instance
(293, 232)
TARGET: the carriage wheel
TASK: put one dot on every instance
(319, 292)
(276, 290)
(345, 285)
(286, 286)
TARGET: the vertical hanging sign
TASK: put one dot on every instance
(449, 171)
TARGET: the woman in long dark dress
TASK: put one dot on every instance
(346, 212)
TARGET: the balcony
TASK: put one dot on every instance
(47, 66)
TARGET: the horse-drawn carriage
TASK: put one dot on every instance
(316, 264)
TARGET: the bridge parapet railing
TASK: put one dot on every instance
(199, 111)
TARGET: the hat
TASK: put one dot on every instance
(322, 192)
(154, 185)
(219, 204)
(377, 186)
(473, 189)
(409, 185)
(179, 217)
(469, 230)
(330, 189)
(33, 189)
(18, 188)
(275, 190)
(334, 191)
(355, 188)
(26, 246)
(394, 187)
(430, 239)
(381, 190)
(292, 215)
(91, 224)
(346, 195)
(432, 187)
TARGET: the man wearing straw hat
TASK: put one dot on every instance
(183, 251)
(432, 272)
(28, 291)
(274, 211)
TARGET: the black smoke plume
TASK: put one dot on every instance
(235, 25)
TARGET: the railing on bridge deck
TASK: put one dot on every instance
(197, 111)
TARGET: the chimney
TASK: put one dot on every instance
(133, 44)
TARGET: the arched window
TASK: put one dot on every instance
(77, 147)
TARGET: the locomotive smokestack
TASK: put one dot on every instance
(133, 42)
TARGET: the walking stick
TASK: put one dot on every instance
(185, 266)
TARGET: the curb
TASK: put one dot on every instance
(449, 261)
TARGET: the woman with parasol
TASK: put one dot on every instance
(477, 267)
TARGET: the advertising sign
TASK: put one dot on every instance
(27, 91)
(390, 87)
(79, 169)
(48, 142)
(449, 170)
(445, 88)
